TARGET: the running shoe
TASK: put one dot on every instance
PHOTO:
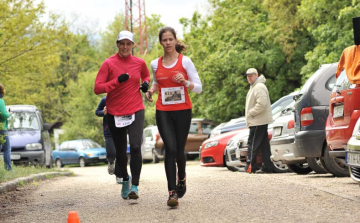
(173, 199)
(125, 190)
(134, 193)
(181, 187)
(111, 168)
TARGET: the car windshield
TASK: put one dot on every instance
(279, 107)
(87, 144)
(23, 121)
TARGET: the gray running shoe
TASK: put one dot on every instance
(111, 168)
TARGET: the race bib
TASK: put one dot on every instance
(125, 120)
(173, 95)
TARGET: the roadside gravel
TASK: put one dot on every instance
(214, 194)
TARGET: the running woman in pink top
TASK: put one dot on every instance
(119, 76)
(173, 75)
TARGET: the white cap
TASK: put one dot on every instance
(251, 71)
(125, 35)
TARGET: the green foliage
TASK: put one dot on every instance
(222, 55)
(82, 123)
(330, 28)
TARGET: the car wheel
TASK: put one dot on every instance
(300, 168)
(335, 166)
(155, 158)
(280, 167)
(58, 163)
(315, 164)
(82, 162)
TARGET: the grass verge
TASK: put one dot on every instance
(22, 171)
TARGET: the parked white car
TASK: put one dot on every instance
(148, 154)
(353, 153)
(282, 143)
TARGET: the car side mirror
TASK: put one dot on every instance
(46, 126)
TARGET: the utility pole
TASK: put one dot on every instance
(135, 22)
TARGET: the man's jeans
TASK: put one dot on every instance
(7, 149)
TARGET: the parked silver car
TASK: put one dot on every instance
(148, 153)
(353, 153)
(282, 143)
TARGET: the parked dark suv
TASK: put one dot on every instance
(29, 136)
(311, 109)
(344, 112)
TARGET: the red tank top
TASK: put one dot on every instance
(172, 96)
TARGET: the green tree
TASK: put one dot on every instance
(330, 26)
(29, 53)
(224, 45)
(82, 123)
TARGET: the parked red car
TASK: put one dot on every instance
(344, 111)
(212, 149)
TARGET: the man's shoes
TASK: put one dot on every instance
(125, 190)
(181, 188)
(261, 171)
(134, 194)
(173, 199)
(111, 168)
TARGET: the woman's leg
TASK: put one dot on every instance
(182, 130)
(7, 151)
(119, 136)
(135, 137)
(166, 126)
(110, 149)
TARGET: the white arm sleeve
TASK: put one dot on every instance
(154, 65)
(192, 74)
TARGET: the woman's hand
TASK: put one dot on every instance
(179, 78)
(148, 95)
(105, 110)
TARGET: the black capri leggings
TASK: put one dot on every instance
(135, 131)
(174, 128)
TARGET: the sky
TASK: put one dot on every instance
(100, 13)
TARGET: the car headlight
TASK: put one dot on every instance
(356, 131)
(89, 154)
(211, 144)
(33, 146)
(214, 133)
(230, 143)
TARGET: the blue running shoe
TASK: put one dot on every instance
(125, 190)
(134, 193)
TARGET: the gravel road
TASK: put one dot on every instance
(214, 195)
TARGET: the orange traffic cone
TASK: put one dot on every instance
(73, 217)
(248, 170)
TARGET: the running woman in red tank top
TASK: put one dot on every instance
(174, 74)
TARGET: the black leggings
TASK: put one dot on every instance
(135, 131)
(174, 128)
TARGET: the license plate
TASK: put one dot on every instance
(237, 153)
(338, 111)
(353, 159)
(102, 157)
(15, 156)
(277, 131)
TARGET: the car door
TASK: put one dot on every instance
(73, 152)
(149, 140)
(194, 138)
